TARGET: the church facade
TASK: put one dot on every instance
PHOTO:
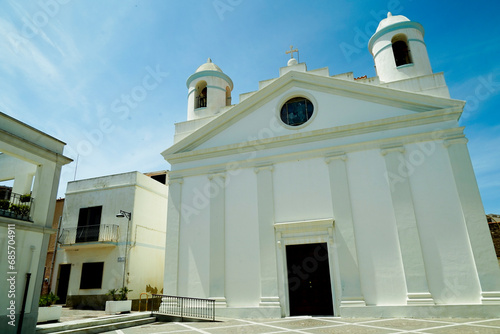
(323, 194)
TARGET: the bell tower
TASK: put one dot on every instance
(209, 90)
(399, 50)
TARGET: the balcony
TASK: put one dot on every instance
(102, 235)
(17, 206)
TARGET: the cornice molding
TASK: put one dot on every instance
(317, 135)
(173, 180)
(259, 169)
(392, 149)
(451, 141)
(36, 152)
(339, 156)
(221, 175)
(321, 153)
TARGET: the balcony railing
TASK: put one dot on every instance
(17, 206)
(90, 233)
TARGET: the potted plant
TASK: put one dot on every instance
(20, 210)
(47, 311)
(119, 302)
(25, 198)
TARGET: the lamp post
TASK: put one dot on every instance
(127, 215)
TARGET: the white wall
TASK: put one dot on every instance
(194, 252)
(22, 156)
(381, 269)
(132, 192)
(361, 133)
(147, 237)
(242, 239)
(302, 193)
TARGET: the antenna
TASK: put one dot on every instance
(76, 167)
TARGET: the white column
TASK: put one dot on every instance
(22, 183)
(344, 238)
(44, 197)
(218, 239)
(409, 237)
(45, 193)
(171, 276)
(475, 219)
(269, 296)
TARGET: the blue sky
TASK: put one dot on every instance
(67, 66)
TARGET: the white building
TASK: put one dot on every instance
(322, 194)
(99, 251)
(33, 161)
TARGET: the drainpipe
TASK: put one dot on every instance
(126, 252)
(25, 296)
(54, 253)
(129, 216)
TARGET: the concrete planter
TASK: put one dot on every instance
(117, 306)
(49, 313)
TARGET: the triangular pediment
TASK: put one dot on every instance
(338, 105)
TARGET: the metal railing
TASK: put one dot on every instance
(183, 307)
(90, 233)
(17, 206)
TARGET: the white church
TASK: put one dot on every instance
(323, 194)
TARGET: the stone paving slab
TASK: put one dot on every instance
(68, 314)
(305, 325)
(313, 325)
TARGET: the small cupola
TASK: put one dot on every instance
(209, 90)
(399, 50)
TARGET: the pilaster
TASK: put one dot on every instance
(475, 220)
(268, 270)
(218, 239)
(171, 275)
(344, 232)
(409, 238)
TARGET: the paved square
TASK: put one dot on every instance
(313, 325)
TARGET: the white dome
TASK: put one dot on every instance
(209, 66)
(390, 20)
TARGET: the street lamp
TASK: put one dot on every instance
(125, 214)
(128, 215)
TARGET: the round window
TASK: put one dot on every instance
(296, 111)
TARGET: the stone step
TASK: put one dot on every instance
(97, 325)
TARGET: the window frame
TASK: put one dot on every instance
(292, 95)
(398, 39)
(88, 276)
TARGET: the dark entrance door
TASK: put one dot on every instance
(63, 282)
(309, 287)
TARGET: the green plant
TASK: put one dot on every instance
(123, 293)
(113, 293)
(47, 300)
(4, 204)
(25, 198)
(119, 294)
(22, 210)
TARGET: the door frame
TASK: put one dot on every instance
(306, 232)
(59, 278)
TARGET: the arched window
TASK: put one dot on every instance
(401, 50)
(228, 96)
(201, 95)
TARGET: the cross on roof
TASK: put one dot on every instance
(292, 50)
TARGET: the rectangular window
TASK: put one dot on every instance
(89, 223)
(91, 275)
